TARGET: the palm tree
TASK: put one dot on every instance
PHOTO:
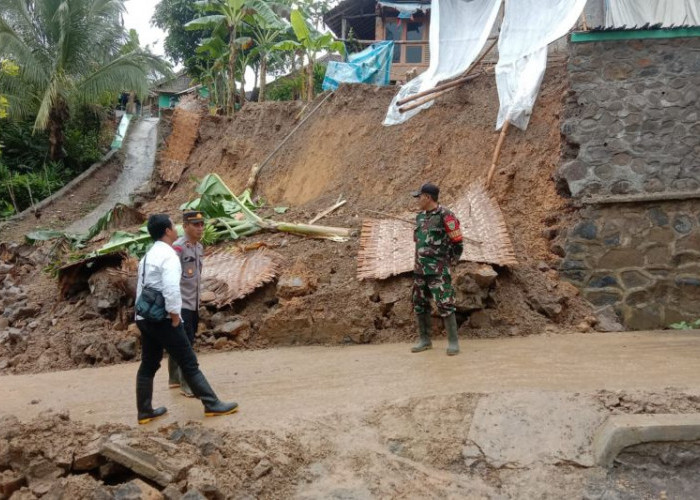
(310, 42)
(230, 13)
(68, 53)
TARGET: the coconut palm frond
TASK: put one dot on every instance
(232, 274)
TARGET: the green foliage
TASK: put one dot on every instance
(21, 189)
(686, 325)
(181, 44)
(290, 88)
(69, 52)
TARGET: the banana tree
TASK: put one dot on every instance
(311, 43)
(214, 75)
(264, 37)
(230, 14)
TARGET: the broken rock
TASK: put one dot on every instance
(127, 348)
(295, 285)
(483, 274)
(137, 490)
(232, 328)
(10, 481)
(204, 481)
(263, 468)
(607, 320)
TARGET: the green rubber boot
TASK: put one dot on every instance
(452, 339)
(424, 342)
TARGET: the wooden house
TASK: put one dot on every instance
(407, 23)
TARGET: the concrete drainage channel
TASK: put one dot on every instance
(622, 431)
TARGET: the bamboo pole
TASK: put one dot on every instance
(427, 99)
(497, 153)
(451, 84)
(320, 216)
(252, 180)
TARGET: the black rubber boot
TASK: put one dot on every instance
(424, 342)
(144, 393)
(213, 406)
(452, 338)
(174, 376)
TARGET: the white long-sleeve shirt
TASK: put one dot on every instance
(163, 273)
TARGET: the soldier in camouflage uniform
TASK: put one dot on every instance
(438, 240)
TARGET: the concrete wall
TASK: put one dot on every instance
(631, 155)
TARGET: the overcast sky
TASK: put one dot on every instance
(138, 16)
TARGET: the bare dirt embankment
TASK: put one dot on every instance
(345, 150)
(342, 150)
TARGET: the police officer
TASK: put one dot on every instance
(190, 251)
(438, 240)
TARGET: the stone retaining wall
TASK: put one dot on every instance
(631, 129)
(633, 125)
(641, 259)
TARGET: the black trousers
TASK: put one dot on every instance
(191, 320)
(157, 336)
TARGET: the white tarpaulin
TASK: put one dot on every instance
(458, 32)
(637, 13)
(528, 27)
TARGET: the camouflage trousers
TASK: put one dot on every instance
(438, 286)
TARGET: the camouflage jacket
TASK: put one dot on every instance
(438, 238)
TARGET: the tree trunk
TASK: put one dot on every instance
(263, 77)
(232, 71)
(242, 87)
(310, 81)
(57, 119)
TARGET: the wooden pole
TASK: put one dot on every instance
(426, 99)
(255, 173)
(497, 153)
(451, 84)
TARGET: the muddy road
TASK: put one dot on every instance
(276, 387)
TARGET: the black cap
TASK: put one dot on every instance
(193, 216)
(427, 188)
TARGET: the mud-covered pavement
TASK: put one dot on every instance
(507, 418)
(277, 386)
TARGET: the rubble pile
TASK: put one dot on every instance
(55, 457)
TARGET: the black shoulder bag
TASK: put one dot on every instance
(150, 304)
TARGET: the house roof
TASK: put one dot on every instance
(176, 85)
(361, 14)
(363, 27)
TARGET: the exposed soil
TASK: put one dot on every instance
(342, 150)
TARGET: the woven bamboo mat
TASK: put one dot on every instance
(387, 248)
(232, 274)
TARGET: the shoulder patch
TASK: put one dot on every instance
(177, 248)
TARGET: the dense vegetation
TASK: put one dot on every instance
(64, 62)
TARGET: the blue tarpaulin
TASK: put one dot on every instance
(372, 66)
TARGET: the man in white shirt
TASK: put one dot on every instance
(160, 270)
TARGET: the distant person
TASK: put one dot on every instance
(191, 252)
(158, 294)
(438, 240)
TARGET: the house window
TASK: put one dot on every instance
(414, 32)
(407, 31)
(394, 31)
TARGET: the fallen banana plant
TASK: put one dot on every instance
(226, 212)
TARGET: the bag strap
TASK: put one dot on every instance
(143, 271)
